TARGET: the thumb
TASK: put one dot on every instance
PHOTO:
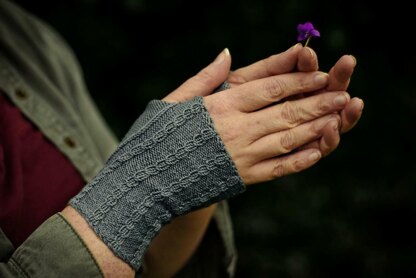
(205, 81)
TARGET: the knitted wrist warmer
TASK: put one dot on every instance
(171, 162)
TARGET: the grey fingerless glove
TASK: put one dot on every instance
(171, 162)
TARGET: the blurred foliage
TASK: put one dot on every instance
(350, 216)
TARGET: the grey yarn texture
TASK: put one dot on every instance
(171, 162)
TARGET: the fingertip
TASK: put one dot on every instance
(347, 62)
(221, 66)
(222, 57)
(311, 52)
(227, 51)
(351, 114)
(354, 59)
(306, 53)
(321, 78)
(314, 156)
(341, 73)
(356, 107)
(227, 54)
(296, 47)
(360, 103)
(308, 60)
(228, 59)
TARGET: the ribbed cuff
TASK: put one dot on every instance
(170, 163)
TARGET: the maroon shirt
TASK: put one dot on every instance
(36, 179)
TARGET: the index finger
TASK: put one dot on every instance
(260, 93)
(276, 64)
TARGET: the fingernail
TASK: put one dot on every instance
(321, 78)
(314, 156)
(362, 104)
(221, 57)
(355, 59)
(340, 100)
(294, 47)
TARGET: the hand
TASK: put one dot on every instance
(261, 133)
(212, 76)
(304, 59)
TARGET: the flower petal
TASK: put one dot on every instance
(315, 33)
(301, 37)
(301, 28)
(308, 26)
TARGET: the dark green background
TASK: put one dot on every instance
(353, 214)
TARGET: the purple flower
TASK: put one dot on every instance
(306, 31)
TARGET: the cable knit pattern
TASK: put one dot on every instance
(171, 162)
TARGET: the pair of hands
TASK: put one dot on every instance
(281, 115)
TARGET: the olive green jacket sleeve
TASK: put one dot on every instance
(53, 250)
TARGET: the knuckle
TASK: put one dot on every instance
(287, 141)
(336, 117)
(297, 166)
(229, 135)
(323, 105)
(316, 127)
(278, 170)
(290, 113)
(283, 167)
(275, 89)
(216, 106)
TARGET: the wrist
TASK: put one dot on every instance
(109, 263)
